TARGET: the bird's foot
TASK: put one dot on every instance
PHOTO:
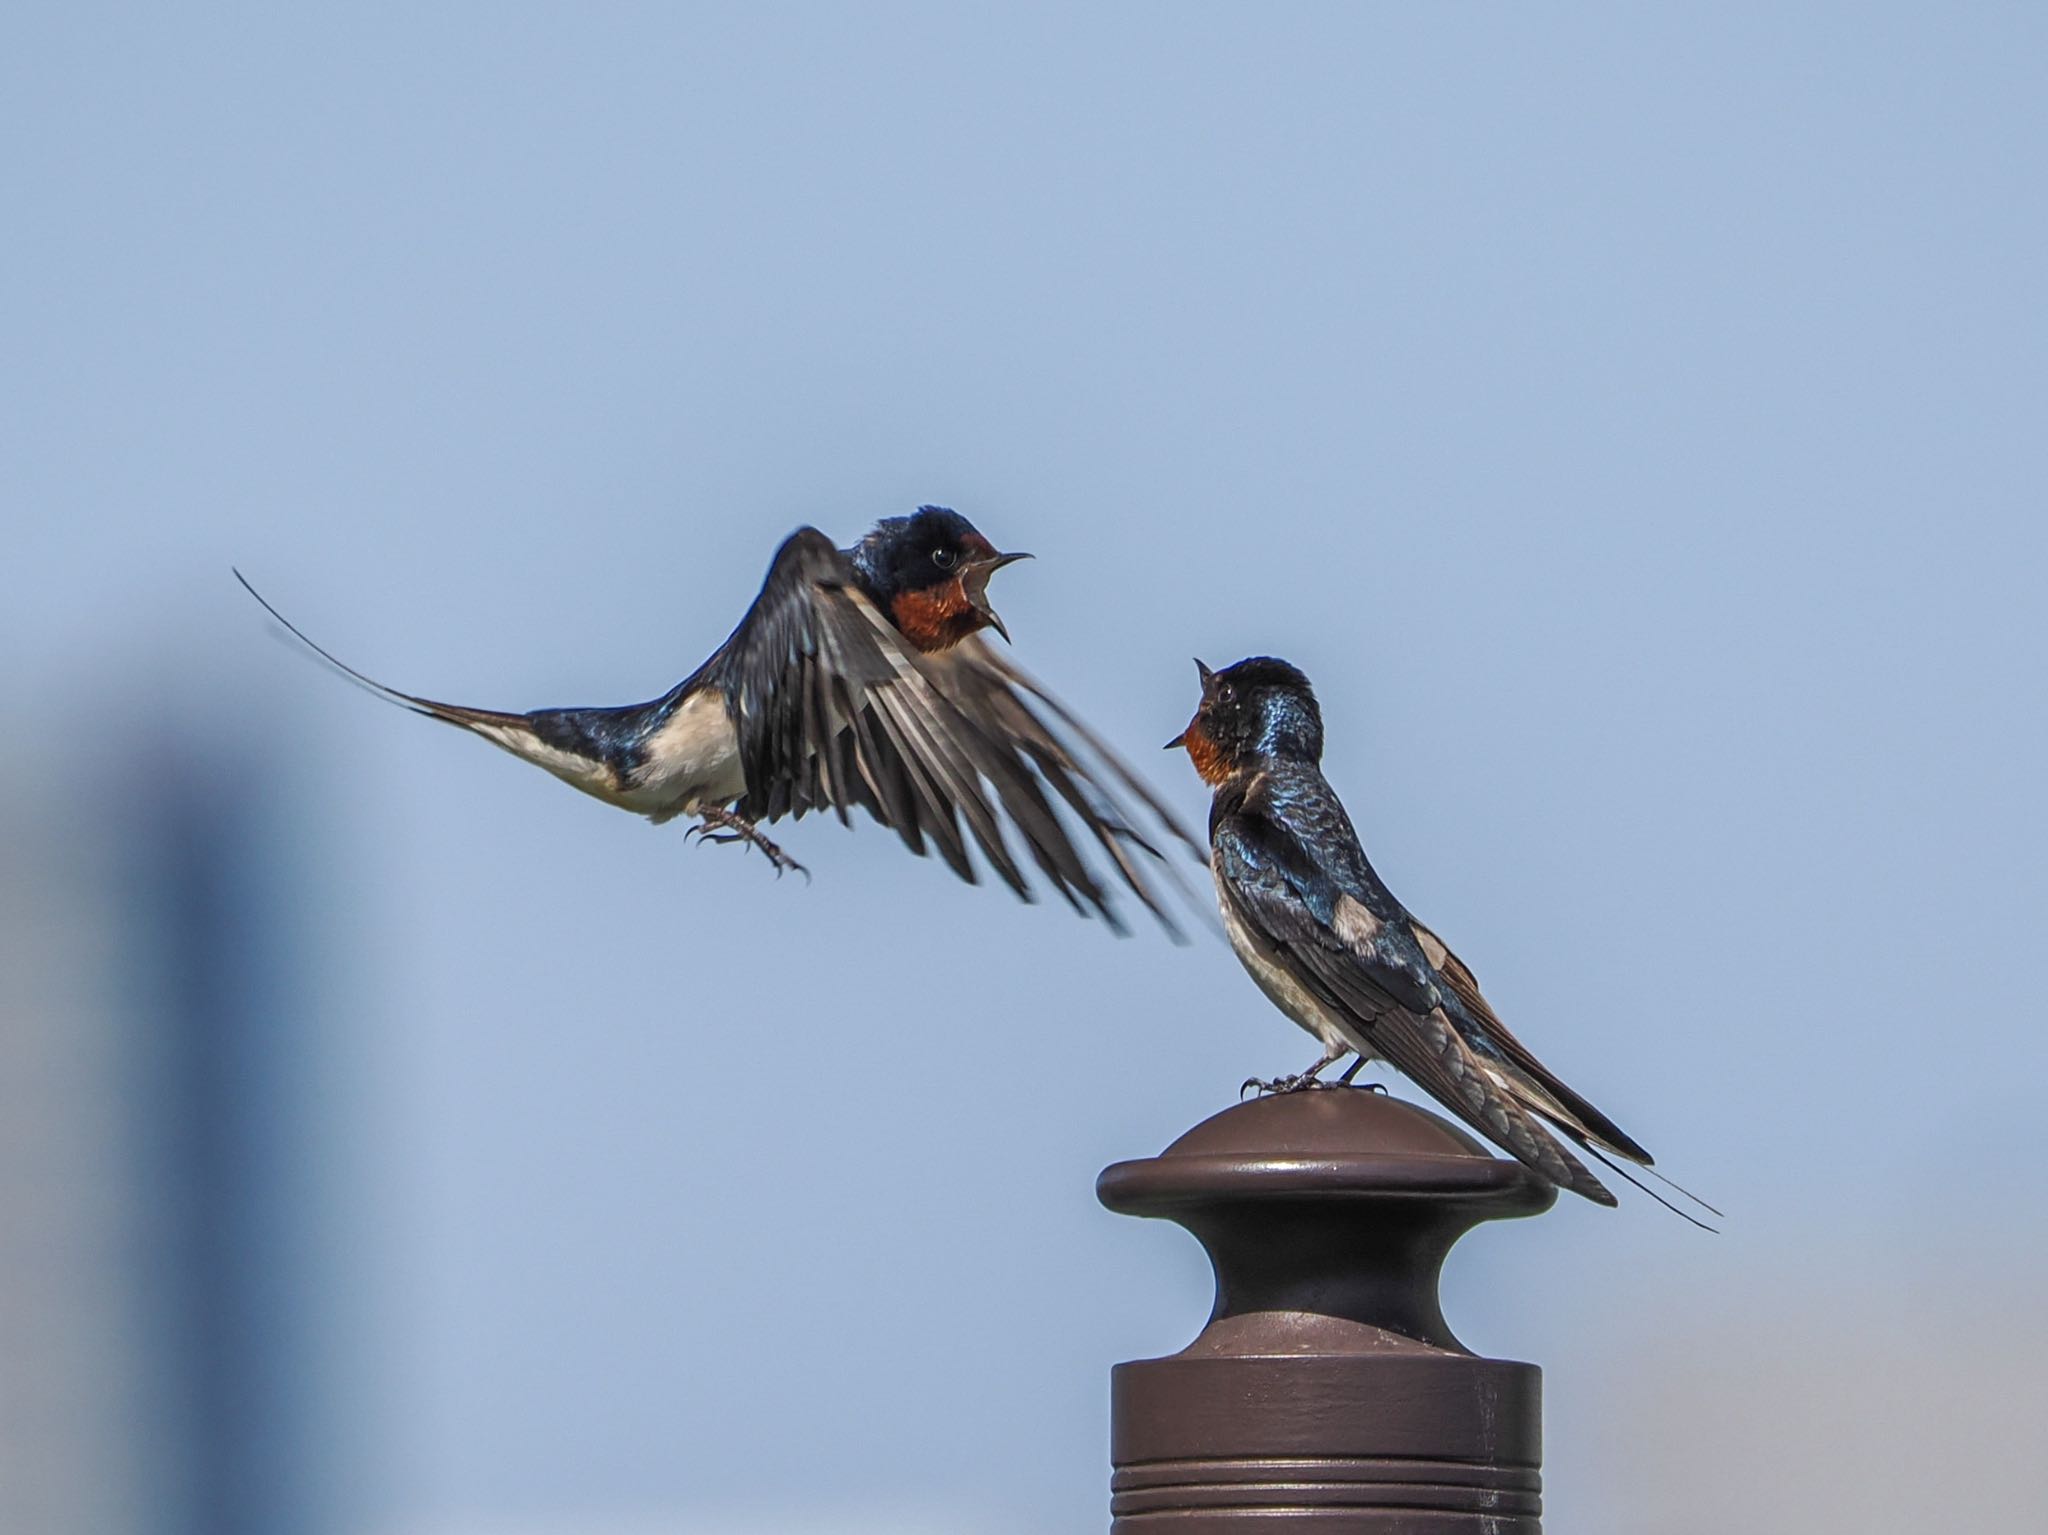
(1313, 1077)
(729, 826)
(1344, 1079)
(1294, 1084)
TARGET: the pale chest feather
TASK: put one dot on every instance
(689, 761)
(1279, 984)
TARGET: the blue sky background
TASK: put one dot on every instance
(1631, 419)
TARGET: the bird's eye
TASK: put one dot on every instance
(943, 558)
(1227, 693)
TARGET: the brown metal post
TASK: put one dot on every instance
(1326, 1394)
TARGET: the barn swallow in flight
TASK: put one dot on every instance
(858, 678)
(1334, 950)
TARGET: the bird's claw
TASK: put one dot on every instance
(1294, 1084)
(724, 826)
(1345, 1076)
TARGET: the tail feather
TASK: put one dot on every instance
(1561, 1167)
(1595, 1125)
(482, 720)
(1678, 1188)
(1498, 1110)
(1685, 1215)
(1593, 1139)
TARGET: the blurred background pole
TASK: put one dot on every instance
(1327, 1389)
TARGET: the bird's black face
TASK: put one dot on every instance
(929, 572)
(1259, 706)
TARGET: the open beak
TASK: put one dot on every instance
(1205, 674)
(974, 582)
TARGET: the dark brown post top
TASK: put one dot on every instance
(1327, 1391)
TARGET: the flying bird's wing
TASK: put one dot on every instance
(1005, 702)
(836, 712)
(1359, 967)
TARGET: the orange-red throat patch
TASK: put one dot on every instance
(936, 617)
(1206, 755)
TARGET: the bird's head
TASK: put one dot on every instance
(1261, 707)
(929, 572)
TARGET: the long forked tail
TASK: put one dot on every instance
(484, 721)
(1616, 1165)
(1614, 1151)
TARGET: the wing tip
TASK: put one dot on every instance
(1586, 1186)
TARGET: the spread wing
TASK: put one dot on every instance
(837, 712)
(1374, 976)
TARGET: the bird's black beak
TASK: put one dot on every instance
(1181, 740)
(974, 582)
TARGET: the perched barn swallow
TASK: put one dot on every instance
(858, 678)
(1332, 948)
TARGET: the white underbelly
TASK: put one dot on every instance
(690, 764)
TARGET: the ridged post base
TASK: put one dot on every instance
(1327, 1394)
(1401, 1444)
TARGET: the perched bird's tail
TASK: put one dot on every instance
(1537, 1090)
(1510, 1116)
(1598, 1136)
